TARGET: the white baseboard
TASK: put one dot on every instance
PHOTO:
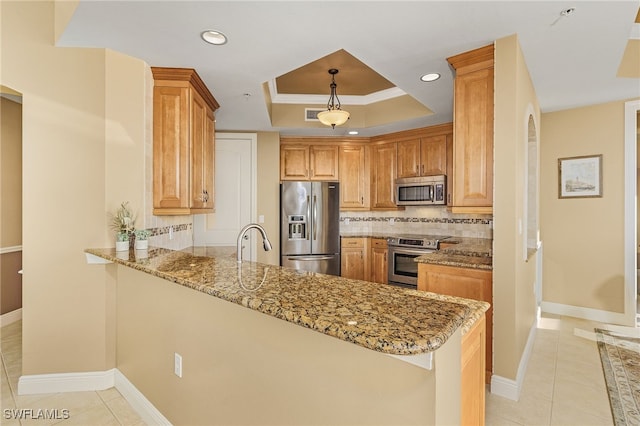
(590, 314)
(93, 381)
(508, 388)
(65, 382)
(10, 317)
(145, 409)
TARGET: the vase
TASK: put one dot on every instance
(122, 245)
(142, 244)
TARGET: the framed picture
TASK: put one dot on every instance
(580, 177)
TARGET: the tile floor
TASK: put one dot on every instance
(106, 407)
(563, 385)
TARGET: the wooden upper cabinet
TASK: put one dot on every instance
(473, 131)
(294, 162)
(323, 162)
(354, 177)
(183, 143)
(306, 161)
(426, 154)
(383, 176)
(409, 158)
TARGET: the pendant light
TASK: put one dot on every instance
(333, 116)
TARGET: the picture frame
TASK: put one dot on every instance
(580, 177)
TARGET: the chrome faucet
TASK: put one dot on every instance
(265, 240)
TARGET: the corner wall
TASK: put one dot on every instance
(268, 198)
(513, 277)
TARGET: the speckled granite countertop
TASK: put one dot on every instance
(475, 253)
(380, 317)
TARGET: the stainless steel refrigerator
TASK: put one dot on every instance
(310, 226)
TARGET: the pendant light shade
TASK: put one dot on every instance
(333, 116)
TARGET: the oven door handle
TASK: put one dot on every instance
(402, 250)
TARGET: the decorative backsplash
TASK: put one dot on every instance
(419, 220)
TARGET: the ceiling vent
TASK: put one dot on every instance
(311, 114)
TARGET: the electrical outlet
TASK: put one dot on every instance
(171, 232)
(177, 365)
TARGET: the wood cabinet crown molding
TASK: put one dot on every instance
(472, 60)
(189, 75)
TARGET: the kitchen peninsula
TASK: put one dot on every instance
(329, 350)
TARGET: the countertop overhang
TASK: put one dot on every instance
(383, 318)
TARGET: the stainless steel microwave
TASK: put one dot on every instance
(421, 191)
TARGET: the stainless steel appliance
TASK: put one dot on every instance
(403, 250)
(310, 226)
(421, 191)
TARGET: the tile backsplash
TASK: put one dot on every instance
(419, 220)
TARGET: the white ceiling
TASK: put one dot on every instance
(572, 62)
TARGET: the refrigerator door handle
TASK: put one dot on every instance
(310, 258)
(308, 216)
(315, 215)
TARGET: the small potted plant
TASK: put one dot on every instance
(142, 239)
(123, 222)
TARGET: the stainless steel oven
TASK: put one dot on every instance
(403, 251)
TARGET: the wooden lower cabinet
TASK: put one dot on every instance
(468, 283)
(353, 258)
(378, 261)
(472, 385)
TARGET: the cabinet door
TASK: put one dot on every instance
(354, 179)
(294, 162)
(409, 158)
(383, 166)
(323, 162)
(201, 154)
(468, 283)
(352, 258)
(473, 144)
(433, 155)
(170, 147)
(378, 261)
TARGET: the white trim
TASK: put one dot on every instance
(93, 381)
(382, 95)
(584, 313)
(11, 317)
(631, 109)
(508, 388)
(65, 382)
(12, 249)
(141, 405)
(635, 32)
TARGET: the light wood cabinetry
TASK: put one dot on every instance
(383, 176)
(378, 261)
(183, 143)
(307, 161)
(473, 375)
(353, 258)
(462, 282)
(354, 177)
(422, 156)
(473, 130)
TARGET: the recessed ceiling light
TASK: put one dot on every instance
(353, 132)
(214, 37)
(430, 77)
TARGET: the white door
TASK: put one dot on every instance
(235, 171)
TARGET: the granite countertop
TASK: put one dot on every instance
(474, 253)
(380, 317)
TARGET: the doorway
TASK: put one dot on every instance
(235, 194)
(632, 110)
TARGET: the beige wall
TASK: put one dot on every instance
(583, 238)
(513, 277)
(73, 118)
(268, 198)
(263, 370)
